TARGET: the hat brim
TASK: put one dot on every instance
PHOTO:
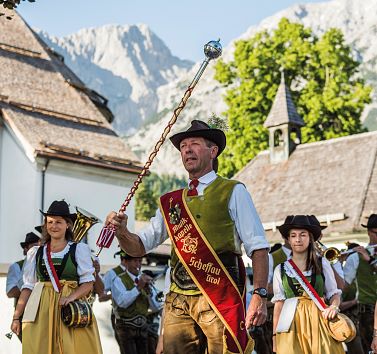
(70, 216)
(315, 230)
(217, 136)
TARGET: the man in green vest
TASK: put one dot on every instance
(133, 296)
(207, 222)
(361, 266)
(14, 277)
(108, 280)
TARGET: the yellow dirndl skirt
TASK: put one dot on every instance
(308, 333)
(49, 335)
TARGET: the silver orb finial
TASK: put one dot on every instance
(213, 49)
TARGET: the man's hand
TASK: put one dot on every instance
(96, 266)
(257, 312)
(119, 221)
(144, 281)
(364, 253)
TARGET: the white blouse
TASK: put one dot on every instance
(85, 269)
(330, 282)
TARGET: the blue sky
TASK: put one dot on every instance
(183, 25)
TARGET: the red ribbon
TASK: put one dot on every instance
(52, 266)
(298, 271)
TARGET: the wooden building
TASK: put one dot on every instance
(336, 179)
(56, 142)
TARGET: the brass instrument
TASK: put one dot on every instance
(84, 221)
(332, 254)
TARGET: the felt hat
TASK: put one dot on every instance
(315, 221)
(59, 208)
(201, 129)
(372, 222)
(299, 222)
(31, 237)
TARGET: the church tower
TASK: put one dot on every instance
(284, 125)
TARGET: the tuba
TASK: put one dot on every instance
(84, 221)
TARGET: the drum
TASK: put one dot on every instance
(77, 314)
(341, 328)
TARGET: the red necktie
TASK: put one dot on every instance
(192, 185)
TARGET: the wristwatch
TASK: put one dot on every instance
(262, 292)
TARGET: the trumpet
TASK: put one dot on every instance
(332, 254)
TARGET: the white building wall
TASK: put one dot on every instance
(94, 189)
(19, 193)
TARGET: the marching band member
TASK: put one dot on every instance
(55, 275)
(108, 280)
(361, 266)
(374, 341)
(15, 271)
(299, 326)
(207, 224)
(133, 296)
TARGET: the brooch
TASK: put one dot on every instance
(174, 213)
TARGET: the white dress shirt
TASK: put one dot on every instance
(125, 298)
(85, 269)
(248, 230)
(14, 277)
(352, 263)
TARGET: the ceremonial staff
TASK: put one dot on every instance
(212, 50)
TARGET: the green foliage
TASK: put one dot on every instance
(150, 190)
(321, 72)
(11, 5)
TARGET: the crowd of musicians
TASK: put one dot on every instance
(296, 289)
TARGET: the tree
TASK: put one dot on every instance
(11, 5)
(150, 190)
(322, 75)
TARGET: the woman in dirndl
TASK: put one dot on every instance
(302, 326)
(44, 293)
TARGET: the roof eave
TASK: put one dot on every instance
(130, 168)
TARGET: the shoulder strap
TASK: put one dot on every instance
(39, 256)
(72, 252)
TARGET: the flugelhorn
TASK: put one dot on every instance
(332, 254)
(212, 50)
(84, 221)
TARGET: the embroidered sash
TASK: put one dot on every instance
(207, 270)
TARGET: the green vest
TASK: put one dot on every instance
(118, 270)
(292, 287)
(138, 307)
(66, 267)
(211, 213)
(350, 292)
(278, 256)
(366, 282)
(21, 263)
